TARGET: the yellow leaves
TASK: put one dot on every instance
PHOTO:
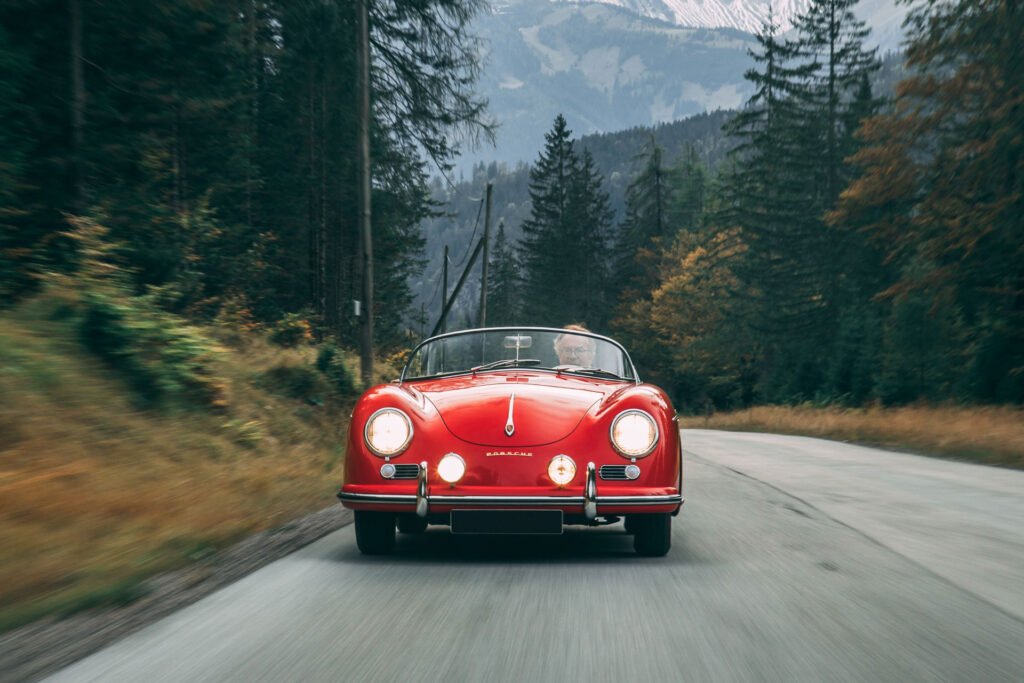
(688, 312)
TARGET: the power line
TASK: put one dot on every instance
(451, 184)
(476, 225)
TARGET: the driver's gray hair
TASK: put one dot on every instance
(575, 327)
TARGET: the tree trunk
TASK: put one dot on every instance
(366, 239)
(77, 104)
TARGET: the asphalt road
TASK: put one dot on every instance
(793, 560)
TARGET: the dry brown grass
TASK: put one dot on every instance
(991, 435)
(96, 494)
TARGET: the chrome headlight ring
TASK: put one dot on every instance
(638, 449)
(388, 450)
(561, 469)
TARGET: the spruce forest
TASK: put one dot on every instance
(211, 147)
(851, 246)
(831, 242)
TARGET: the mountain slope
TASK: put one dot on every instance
(884, 17)
(603, 67)
(745, 15)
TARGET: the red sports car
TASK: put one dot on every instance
(514, 431)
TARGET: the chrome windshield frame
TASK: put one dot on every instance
(479, 330)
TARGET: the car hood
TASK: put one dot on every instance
(540, 413)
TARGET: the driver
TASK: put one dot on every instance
(575, 349)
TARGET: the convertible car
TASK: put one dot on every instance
(514, 431)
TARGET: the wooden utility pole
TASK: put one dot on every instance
(483, 272)
(444, 288)
(458, 287)
(365, 233)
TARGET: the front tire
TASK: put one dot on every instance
(652, 534)
(412, 524)
(375, 532)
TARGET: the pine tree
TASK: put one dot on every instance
(767, 192)
(587, 256)
(787, 171)
(835, 94)
(543, 245)
(664, 206)
(564, 249)
(689, 182)
(943, 184)
(504, 281)
(426, 62)
(830, 40)
(647, 219)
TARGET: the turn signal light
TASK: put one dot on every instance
(451, 468)
(561, 469)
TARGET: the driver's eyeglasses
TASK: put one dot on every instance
(575, 349)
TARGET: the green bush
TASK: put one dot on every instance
(159, 354)
(331, 362)
(296, 381)
(292, 330)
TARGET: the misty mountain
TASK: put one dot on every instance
(884, 17)
(606, 67)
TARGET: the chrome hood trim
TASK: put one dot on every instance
(510, 425)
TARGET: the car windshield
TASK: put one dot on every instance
(566, 351)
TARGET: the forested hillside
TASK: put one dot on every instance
(215, 142)
(178, 264)
(851, 235)
(460, 221)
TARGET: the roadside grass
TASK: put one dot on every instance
(989, 435)
(98, 493)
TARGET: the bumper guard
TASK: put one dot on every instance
(588, 502)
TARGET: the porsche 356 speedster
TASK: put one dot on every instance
(514, 431)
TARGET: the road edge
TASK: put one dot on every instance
(36, 650)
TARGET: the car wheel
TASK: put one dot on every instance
(412, 524)
(652, 534)
(630, 524)
(375, 532)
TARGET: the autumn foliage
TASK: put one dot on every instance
(906, 285)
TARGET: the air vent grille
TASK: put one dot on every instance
(406, 471)
(613, 473)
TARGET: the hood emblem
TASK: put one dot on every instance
(510, 427)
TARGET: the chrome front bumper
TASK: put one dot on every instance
(589, 502)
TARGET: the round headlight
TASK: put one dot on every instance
(561, 469)
(451, 468)
(388, 432)
(634, 434)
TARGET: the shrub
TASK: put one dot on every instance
(292, 330)
(296, 381)
(158, 353)
(331, 362)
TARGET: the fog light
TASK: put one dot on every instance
(561, 469)
(387, 470)
(451, 468)
(632, 471)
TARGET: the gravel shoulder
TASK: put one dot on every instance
(34, 651)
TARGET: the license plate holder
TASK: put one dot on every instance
(547, 522)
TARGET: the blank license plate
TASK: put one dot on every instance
(506, 521)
